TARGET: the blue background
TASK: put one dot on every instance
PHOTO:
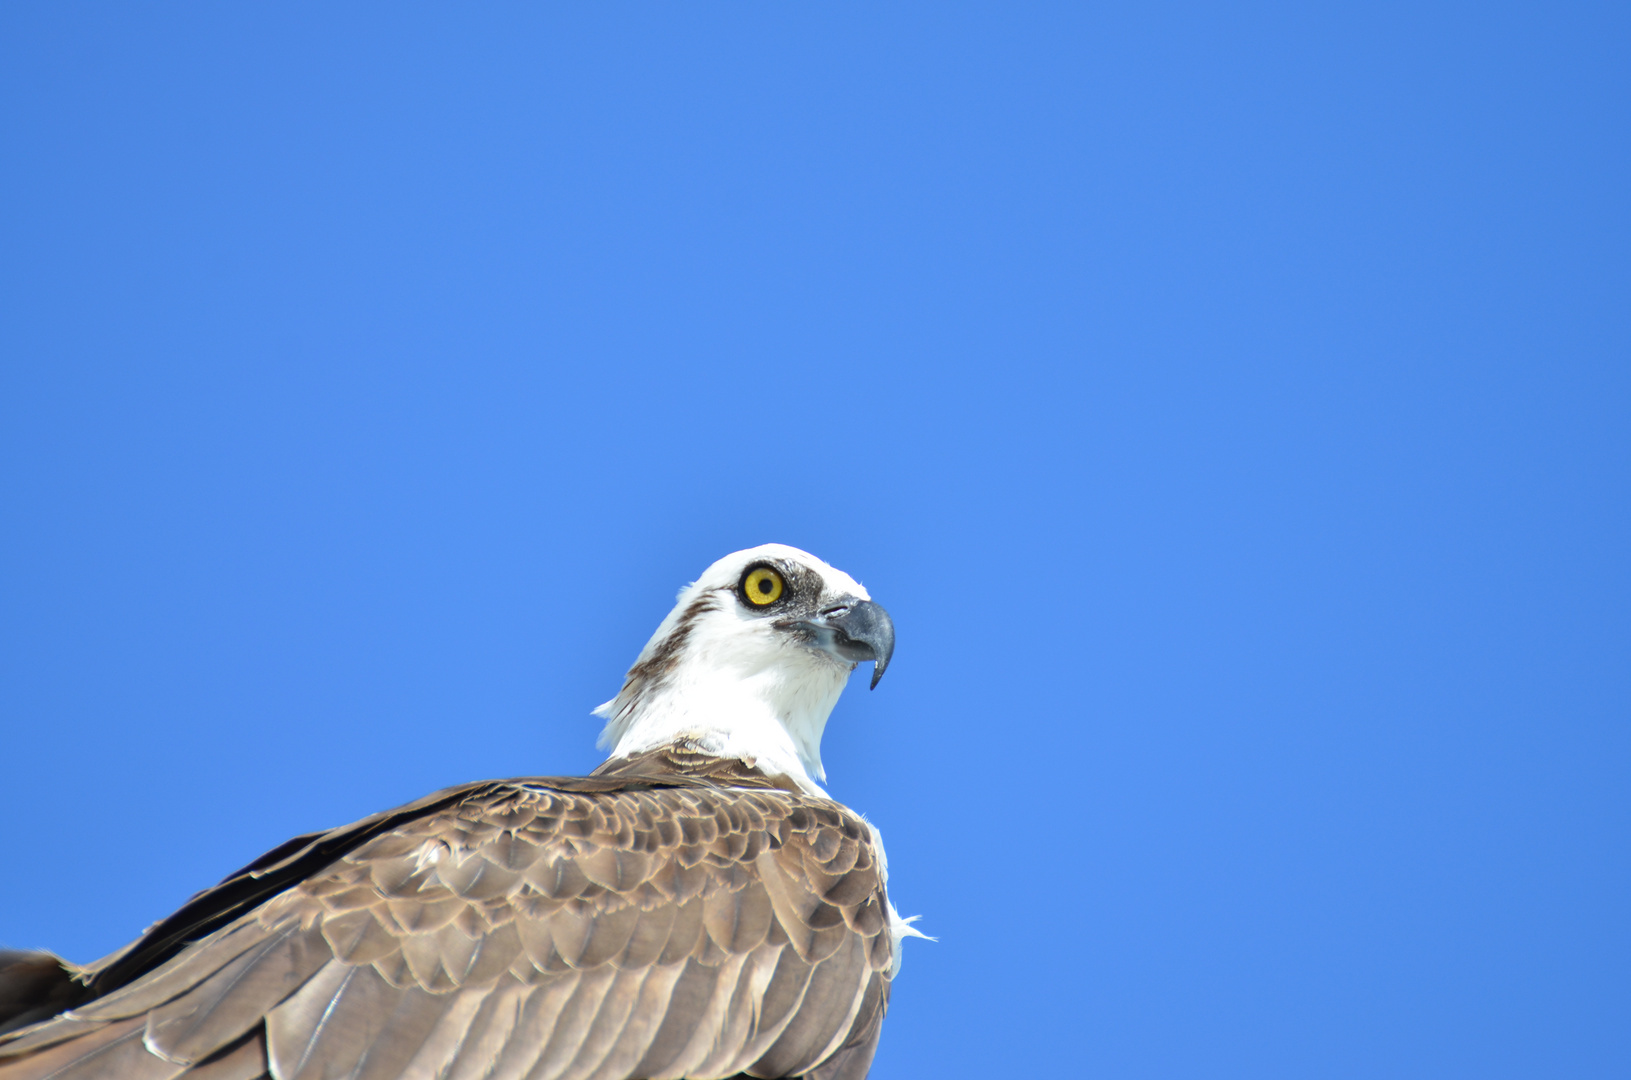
(1230, 402)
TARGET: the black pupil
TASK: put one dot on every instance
(762, 585)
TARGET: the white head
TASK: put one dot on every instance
(751, 662)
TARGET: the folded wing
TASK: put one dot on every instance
(552, 929)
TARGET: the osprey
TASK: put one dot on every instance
(696, 907)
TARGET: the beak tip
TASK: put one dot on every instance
(856, 631)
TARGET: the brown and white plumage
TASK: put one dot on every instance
(679, 913)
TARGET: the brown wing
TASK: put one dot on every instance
(629, 928)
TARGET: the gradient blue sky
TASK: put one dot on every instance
(1230, 402)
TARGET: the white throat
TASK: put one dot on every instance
(763, 715)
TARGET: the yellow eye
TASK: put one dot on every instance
(762, 586)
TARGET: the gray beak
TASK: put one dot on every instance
(854, 630)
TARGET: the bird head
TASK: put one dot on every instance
(751, 661)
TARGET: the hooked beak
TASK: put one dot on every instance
(853, 630)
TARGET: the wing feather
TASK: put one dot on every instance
(688, 998)
(89, 1055)
(235, 998)
(746, 1036)
(827, 1009)
(570, 1025)
(593, 929)
(641, 1027)
(416, 1035)
(534, 1026)
(781, 998)
(177, 976)
(58, 1029)
(242, 1060)
(850, 1063)
(489, 1032)
(608, 1027)
(706, 1052)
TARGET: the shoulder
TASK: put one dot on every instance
(604, 841)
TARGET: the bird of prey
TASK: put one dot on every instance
(696, 907)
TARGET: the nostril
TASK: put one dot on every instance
(836, 609)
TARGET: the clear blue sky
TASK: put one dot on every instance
(1232, 404)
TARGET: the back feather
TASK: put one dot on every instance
(591, 928)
